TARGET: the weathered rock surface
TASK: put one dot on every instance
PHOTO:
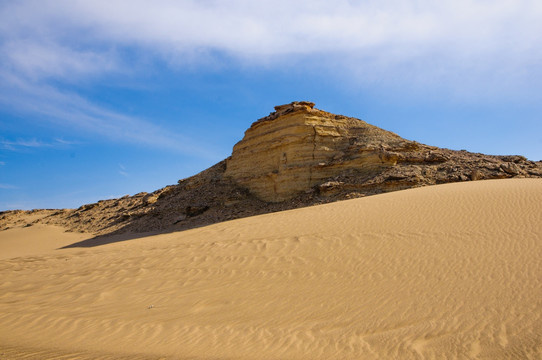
(297, 156)
(298, 146)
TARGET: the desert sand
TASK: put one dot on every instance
(449, 271)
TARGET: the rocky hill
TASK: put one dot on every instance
(297, 156)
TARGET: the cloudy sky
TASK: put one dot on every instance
(100, 99)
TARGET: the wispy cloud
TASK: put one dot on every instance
(68, 109)
(67, 142)
(18, 144)
(8, 187)
(122, 171)
(44, 53)
(2, 163)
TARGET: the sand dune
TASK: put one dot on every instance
(36, 240)
(450, 271)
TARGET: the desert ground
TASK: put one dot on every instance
(441, 272)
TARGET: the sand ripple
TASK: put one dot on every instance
(450, 271)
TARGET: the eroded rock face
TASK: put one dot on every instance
(297, 147)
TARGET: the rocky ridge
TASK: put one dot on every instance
(297, 156)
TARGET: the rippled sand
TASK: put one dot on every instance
(449, 271)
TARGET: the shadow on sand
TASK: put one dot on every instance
(110, 239)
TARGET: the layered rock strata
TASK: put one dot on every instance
(297, 147)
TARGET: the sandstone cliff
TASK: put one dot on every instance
(298, 147)
(297, 156)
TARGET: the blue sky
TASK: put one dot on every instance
(99, 99)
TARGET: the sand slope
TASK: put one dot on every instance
(451, 271)
(36, 240)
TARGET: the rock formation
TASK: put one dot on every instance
(298, 147)
(297, 156)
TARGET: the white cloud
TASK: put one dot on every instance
(370, 39)
(263, 28)
(37, 60)
(250, 29)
